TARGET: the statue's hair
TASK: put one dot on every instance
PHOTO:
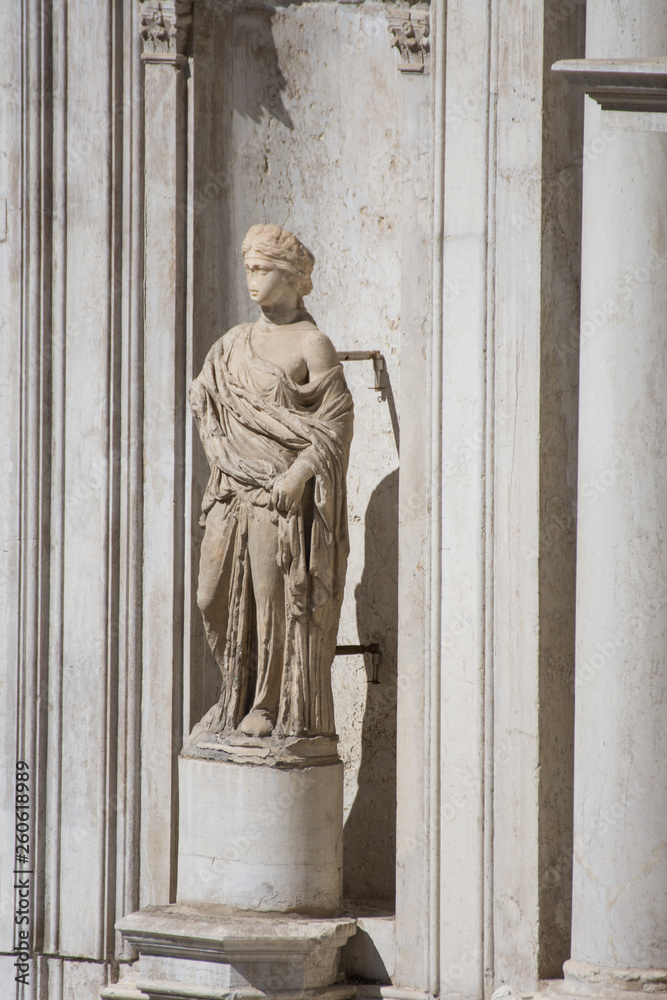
(285, 250)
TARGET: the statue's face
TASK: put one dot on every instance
(269, 285)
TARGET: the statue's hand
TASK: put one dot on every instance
(288, 490)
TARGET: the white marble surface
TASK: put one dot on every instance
(620, 870)
(464, 332)
(260, 838)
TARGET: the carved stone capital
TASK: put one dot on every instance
(165, 30)
(410, 31)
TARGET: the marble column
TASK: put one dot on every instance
(619, 927)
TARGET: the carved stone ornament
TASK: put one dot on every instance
(410, 30)
(165, 29)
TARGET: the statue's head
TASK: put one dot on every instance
(278, 250)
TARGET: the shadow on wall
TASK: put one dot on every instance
(258, 80)
(369, 838)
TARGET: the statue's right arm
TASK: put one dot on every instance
(219, 347)
(215, 351)
(206, 418)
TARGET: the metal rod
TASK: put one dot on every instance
(373, 648)
(359, 355)
(379, 365)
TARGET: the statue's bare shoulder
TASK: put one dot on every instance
(318, 352)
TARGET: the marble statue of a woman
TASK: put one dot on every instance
(275, 418)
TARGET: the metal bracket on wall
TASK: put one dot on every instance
(379, 365)
(373, 648)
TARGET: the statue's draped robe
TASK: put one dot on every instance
(254, 422)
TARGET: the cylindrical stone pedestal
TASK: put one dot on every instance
(619, 919)
(261, 836)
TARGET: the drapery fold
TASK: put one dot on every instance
(255, 422)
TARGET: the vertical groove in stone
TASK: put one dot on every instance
(135, 535)
(56, 978)
(44, 55)
(58, 389)
(115, 405)
(488, 946)
(467, 432)
(432, 715)
(179, 454)
(105, 804)
(130, 562)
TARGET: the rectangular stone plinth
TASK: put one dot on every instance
(208, 952)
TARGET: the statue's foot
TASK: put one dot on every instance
(257, 723)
